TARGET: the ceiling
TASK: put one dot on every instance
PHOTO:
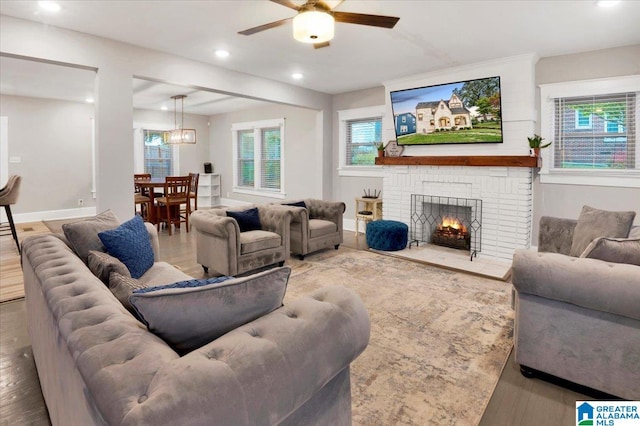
(431, 35)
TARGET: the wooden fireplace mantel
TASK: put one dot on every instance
(461, 160)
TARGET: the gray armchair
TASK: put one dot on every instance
(316, 226)
(578, 318)
(9, 195)
(221, 246)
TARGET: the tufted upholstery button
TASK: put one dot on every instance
(254, 333)
(142, 399)
(291, 315)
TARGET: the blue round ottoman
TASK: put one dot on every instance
(387, 235)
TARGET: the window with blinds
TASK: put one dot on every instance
(158, 156)
(362, 136)
(595, 132)
(258, 155)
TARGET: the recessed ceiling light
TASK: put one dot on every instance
(222, 53)
(607, 3)
(164, 108)
(296, 76)
(49, 6)
(89, 100)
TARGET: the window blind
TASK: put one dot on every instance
(158, 157)
(270, 158)
(362, 135)
(595, 132)
(246, 165)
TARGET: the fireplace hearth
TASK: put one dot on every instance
(447, 221)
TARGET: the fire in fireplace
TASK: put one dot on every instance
(447, 221)
(451, 233)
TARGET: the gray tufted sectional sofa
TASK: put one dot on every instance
(99, 365)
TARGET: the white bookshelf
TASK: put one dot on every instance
(209, 190)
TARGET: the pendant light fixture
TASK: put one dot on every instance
(180, 135)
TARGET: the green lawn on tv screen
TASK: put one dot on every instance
(485, 132)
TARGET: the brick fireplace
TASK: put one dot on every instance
(506, 194)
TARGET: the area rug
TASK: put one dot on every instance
(439, 338)
(11, 286)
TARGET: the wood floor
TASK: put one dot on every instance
(515, 401)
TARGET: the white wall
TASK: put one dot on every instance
(117, 64)
(303, 173)
(347, 188)
(53, 140)
(567, 200)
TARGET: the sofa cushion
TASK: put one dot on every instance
(162, 273)
(595, 223)
(122, 286)
(187, 318)
(83, 235)
(103, 264)
(616, 250)
(248, 220)
(130, 243)
(320, 227)
(253, 241)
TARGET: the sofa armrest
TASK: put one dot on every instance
(261, 372)
(153, 239)
(327, 210)
(216, 225)
(556, 234)
(590, 283)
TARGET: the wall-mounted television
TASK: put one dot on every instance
(453, 113)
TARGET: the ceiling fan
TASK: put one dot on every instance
(315, 20)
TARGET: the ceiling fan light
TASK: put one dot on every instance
(313, 27)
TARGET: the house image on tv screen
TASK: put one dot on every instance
(405, 123)
(442, 115)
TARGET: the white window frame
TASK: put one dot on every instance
(345, 116)
(257, 127)
(138, 147)
(549, 92)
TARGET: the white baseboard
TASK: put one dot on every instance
(54, 215)
(350, 225)
(230, 202)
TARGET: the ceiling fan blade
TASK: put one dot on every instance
(265, 27)
(321, 45)
(287, 3)
(364, 19)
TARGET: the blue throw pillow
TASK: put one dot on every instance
(185, 284)
(130, 244)
(248, 220)
(296, 204)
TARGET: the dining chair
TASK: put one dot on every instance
(142, 195)
(193, 192)
(9, 195)
(176, 193)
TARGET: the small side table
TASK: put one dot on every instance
(367, 209)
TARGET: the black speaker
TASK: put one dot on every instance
(208, 168)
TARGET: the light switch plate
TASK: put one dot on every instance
(14, 159)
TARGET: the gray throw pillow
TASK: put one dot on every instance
(616, 250)
(83, 235)
(595, 223)
(187, 318)
(122, 286)
(103, 264)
